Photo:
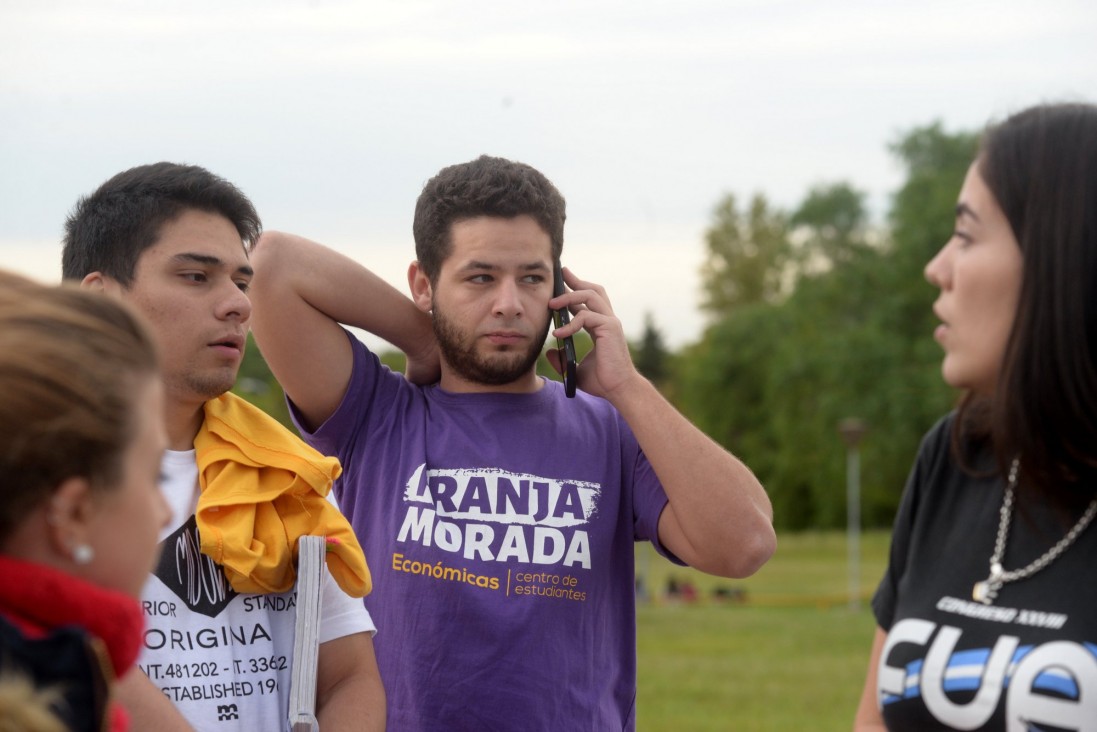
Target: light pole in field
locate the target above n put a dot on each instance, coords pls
(852, 431)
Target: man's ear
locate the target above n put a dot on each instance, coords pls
(101, 283)
(421, 292)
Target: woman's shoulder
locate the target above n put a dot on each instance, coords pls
(939, 436)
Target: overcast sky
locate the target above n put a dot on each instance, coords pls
(331, 115)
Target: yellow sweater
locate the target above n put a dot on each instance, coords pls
(262, 489)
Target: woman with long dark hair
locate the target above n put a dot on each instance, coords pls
(987, 614)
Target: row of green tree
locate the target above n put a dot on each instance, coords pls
(816, 316)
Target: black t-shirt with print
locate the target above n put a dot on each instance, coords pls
(1027, 662)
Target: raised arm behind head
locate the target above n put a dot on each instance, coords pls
(303, 293)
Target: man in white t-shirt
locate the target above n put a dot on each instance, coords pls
(173, 241)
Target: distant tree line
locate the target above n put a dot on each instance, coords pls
(815, 317)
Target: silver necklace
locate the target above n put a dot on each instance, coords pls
(987, 590)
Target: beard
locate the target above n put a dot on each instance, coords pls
(197, 377)
(493, 369)
(210, 385)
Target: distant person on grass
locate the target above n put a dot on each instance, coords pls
(501, 514)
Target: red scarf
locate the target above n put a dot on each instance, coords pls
(38, 599)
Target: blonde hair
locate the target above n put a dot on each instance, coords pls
(70, 362)
(25, 708)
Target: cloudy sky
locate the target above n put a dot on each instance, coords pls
(331, 115)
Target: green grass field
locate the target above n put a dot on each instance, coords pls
(789, 654)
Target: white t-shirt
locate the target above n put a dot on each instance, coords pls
(222, 658)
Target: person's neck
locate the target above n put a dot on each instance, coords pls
(453, 382)
(184, 419)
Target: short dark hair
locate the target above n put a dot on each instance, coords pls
(1041, 166)
(109, 230)
(486, 186)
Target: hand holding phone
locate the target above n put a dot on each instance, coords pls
(565, 346)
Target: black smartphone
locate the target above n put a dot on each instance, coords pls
(566, 346)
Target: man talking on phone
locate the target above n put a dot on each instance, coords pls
(500, 514)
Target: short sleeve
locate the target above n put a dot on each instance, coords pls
(885, 598)
(341, 614)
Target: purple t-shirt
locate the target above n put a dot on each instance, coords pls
(499, 530)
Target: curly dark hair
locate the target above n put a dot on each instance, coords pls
(487, 186)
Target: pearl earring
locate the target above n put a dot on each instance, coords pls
(83, 554)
